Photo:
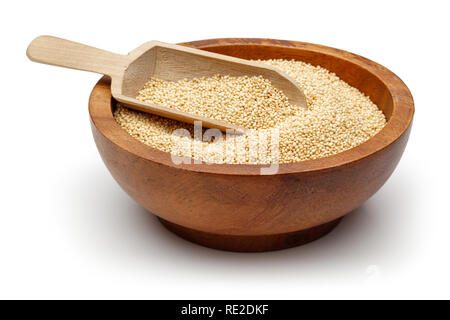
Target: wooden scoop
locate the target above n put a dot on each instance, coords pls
(165, 61)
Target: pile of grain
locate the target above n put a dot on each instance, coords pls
(339, 117)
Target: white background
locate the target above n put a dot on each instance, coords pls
(68, 231)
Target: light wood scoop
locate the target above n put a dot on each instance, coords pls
(165, 61)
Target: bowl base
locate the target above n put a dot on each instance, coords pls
(251, 243)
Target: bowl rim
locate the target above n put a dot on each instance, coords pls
(101, 105)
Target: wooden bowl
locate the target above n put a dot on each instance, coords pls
(233, 207)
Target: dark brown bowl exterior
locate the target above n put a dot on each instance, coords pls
(233, 207)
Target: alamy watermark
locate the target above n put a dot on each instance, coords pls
(261, 146)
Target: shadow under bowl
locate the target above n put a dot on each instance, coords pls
(234, 207)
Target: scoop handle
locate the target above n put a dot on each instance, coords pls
(64, 53)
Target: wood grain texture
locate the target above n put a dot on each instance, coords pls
(229, 201)
(252, 243)
(68, 54)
